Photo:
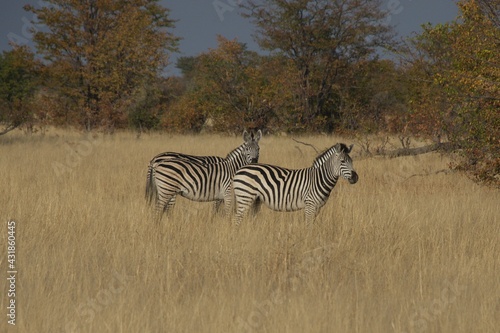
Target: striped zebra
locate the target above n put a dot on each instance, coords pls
(150, 190)
(290, 190)
(200, 181)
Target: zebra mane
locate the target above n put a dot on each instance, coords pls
(235, 152)
(327, 153)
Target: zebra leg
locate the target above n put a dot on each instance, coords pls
(170, 204)
(228, 200)
(164, 205)
(256, 206)
(310, 211)
(217, 205)
(238, 217)
(242, 205)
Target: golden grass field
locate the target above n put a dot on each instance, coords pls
(405, 249)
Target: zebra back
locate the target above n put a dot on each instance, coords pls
(171, 155)
(211, 176)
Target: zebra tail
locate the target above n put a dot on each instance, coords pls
(151, 194)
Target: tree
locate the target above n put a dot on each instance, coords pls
(186, 65)
(322, 38)
(99, 51)
(19, 74)
(373, 98)
(236, 88)
(220, 88)
(461, 58)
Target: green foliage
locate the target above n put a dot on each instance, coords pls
(144, 113)
(19, 77)
(186, 65)
(372, 98)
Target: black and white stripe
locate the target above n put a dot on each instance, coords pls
(289, 190)
(201, 181)
(151, 190)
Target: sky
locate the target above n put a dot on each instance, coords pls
(200, 21)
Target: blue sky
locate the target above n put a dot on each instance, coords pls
(200, 21)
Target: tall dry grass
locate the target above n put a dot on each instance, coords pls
(405, 249)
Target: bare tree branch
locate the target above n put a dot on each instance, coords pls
(9, 128)
(445, 146)
(307, 144)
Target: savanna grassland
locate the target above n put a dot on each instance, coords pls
(407, 249)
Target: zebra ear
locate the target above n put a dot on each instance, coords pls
(350, 148)
(246, 136)
(258, 136)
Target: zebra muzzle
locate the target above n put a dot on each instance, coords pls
(354, 178)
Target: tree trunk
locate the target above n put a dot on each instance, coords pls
(446, 146)
(9, 128)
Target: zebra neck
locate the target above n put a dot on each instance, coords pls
(235, 153)
(324, 157)
(324, 177)
(235, 158)
(331, 182)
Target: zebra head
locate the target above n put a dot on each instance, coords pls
(343, 163)
(251, 146)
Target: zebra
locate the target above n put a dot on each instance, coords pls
(201, 181)
(290, 190)
(162, 157)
